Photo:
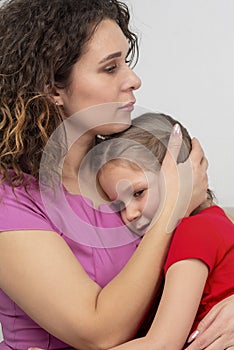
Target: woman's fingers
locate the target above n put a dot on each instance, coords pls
(169, 179)
(177, 180)
(173, 148)
(183, 187)
(216, 330)
(197, 153)
(200, 344)
(204, 344)
(199, 172)
(204, 163)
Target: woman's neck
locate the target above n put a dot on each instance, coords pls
(73, 161)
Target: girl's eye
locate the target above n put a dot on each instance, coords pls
(110, 69)
(138, 193)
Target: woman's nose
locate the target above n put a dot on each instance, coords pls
(132, 81)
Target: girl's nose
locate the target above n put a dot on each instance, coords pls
(132, 213)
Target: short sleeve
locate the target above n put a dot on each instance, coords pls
(20, 210)
(194, 238)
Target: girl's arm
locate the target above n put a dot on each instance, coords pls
(182, 293)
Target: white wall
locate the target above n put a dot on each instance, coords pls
(187, 68)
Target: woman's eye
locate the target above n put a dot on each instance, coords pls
(110, 69)
(138, 193)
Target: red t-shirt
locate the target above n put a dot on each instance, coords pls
(209, 237)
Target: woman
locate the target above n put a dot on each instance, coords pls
(58, 58)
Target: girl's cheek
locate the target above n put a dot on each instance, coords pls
(123, 218)
(151, 207)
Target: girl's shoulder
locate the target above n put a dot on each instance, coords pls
(207, 216)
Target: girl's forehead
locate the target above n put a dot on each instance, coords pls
(122, 163)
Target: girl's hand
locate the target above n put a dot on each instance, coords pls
(216, 330)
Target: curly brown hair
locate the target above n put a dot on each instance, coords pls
(40, 41)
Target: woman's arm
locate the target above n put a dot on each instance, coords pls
(182, 293)
(216, 330)
(39, 272)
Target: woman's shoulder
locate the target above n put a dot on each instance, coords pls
(21, 207)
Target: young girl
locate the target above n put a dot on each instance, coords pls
(199, 266)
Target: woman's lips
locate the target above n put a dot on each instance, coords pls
(128, 107)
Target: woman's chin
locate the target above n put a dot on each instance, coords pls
(113, 129)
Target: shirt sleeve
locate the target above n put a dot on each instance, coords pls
(194, 238)
(20, 210)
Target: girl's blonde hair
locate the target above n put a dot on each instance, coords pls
(143, 144)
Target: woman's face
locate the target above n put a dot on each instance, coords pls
(101, 76)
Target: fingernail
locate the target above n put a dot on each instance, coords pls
(176, 129)
(193, 336)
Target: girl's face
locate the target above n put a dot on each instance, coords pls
(134, 192)
(101, 76)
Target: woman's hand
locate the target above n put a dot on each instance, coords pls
(183, 186)
(216, 330)
(199, 172)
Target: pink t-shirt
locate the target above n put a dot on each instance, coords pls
(97, 238)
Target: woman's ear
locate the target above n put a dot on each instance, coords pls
(55, 95)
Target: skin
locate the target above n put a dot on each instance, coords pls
(184, 284)
(132, 190)
(184, 281)
(102, 74)
(100, 77)
(80, 312)
(215, 331)
(111, 88)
